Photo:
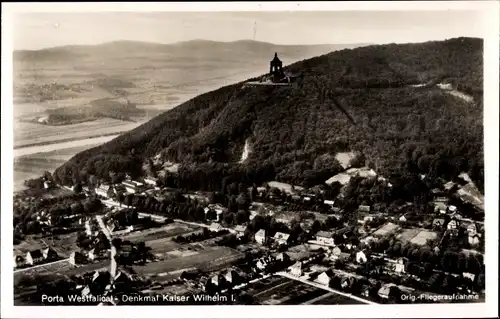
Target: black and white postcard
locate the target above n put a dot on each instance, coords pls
(194, 159)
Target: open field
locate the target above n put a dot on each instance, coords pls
(209, 259)
(422, 237)
(277, 290)
(386, 229)
(153, 234)
(407, 234)
(61, 269)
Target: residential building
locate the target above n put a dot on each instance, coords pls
(440, 207)
(329, 202)
(283, 257)
(399, 266)
(34, 257)
(96, 253)
(88, 229)
(217, 280)
(364, 208)
(346, 282)
(77, 258)
(385, 290)
(474, 240)
(452, 224)
(219, 210)
(438, 223)
(336, 251)
(216, 227)
(368, 240)
(472, 229)
(260, 236)
(341, 256)
(102, 190)
(151, 181)
(133, 186)
(469, 275)
(325, 238)
(19, 261)
(296, 269)
(325, 277)
(361, 257)
(449, 186)
(232, 277)
(281, 238)
(264, 262)
(49, 254)
(240, 230)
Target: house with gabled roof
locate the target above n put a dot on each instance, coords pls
(364, 208)
(296, 269)
(77, 258)
(385, 290)
(325, 277)
(232, 277)
(49, 254)
(325, 238)
(361, 257)
(474, 239)
(283, 257)
(260, 236)
(453, 224)
(281, 238)
(34, 257)
(438, 223)
(19, 261)
(472, 229)
(102, 190)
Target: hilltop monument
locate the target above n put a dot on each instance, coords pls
(276, 68)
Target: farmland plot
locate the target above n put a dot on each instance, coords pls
(423, 236)
(210, 259)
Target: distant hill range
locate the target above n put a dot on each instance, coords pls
(232, 51)
(160, 74)
(379, 101)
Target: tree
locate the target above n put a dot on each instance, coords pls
(243, 201)
(241, 217)
(395, 294)
(315, 227)
(211, 214)
(228, 217)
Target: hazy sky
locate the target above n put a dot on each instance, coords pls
(40, 30)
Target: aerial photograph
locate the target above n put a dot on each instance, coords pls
(248, 158)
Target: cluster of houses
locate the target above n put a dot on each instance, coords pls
(128, 186)
(279, 238)
(36, 257)
(225, 280)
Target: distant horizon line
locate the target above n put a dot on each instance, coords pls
(186, 41)
(234, 41)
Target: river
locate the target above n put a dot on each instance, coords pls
(30, 150)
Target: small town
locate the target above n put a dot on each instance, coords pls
(272, 244)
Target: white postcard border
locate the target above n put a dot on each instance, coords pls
(491, 112)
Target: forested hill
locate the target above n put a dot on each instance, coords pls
(294, 132)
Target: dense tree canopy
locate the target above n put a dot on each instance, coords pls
(359, 100)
